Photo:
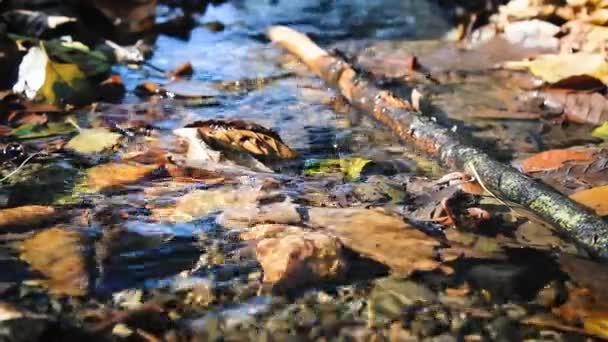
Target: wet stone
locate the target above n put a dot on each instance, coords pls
(300, 259)
(391, 297)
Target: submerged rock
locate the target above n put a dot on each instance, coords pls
(391, 296)
(301, 258)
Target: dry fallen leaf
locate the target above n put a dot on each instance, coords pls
(58, 254)
(379, 236)
(243, 136)
(579, 107)
(595, 198)
(553, 159)
(553, 68)
(111, 175)
(26, 216)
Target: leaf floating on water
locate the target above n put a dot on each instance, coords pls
(553, 159)
(55, 83)
(107, 176)
(58, 254)
(27, 216)
(93, 140)
(351, 168)
(243, 136)
(596, 199)
(379, 236)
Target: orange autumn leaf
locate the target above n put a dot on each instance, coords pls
(26, 216)
(553, 159)
(595, 198)
(111, 175)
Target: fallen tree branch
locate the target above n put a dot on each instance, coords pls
(574, 220)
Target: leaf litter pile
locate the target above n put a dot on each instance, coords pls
(236, 197)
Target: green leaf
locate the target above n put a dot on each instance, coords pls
(92, 63)
(351, 168)
(35, 130)
(601, 131)
(93, 140)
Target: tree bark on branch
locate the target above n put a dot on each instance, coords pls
(574, 220)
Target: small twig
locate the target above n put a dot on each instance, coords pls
(19, 167)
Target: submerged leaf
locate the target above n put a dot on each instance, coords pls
(27, 216)
(93, 140)
(351, 168)
(38, 130)
(381, 237)
(58, 254)
(111, 175)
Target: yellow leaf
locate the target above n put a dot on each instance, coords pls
(553, 68)
(93, 140)
(596, 199)
(63, 83)
(598, 326)
(601, 131)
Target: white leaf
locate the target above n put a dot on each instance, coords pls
(32, 73)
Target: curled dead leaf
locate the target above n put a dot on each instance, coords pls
(244, 136)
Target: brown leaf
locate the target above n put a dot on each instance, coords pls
(584, 83)
(595, 198)
(195, 175)
(580, 107)
(27, 216)
(111, 175)
(553, 159)
(244, 136)
(575, 176)
(58, 254)
(379, 236)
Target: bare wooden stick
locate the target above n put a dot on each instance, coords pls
(574, 220)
